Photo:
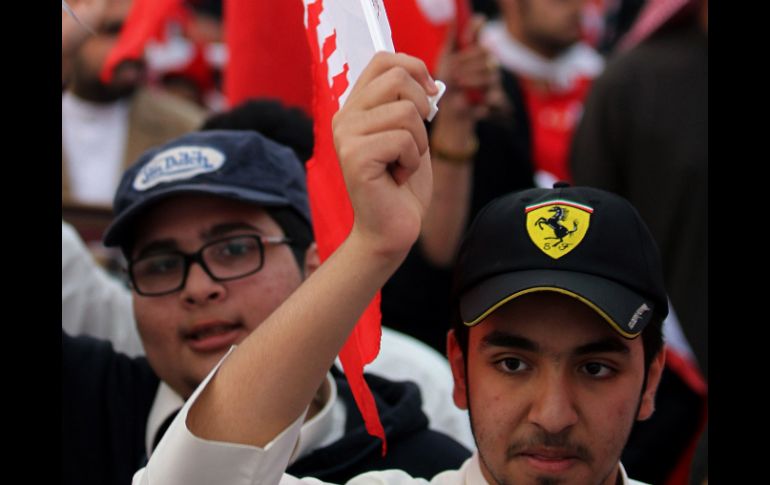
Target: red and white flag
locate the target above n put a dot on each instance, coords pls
(343, 37)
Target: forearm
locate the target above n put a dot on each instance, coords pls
(453, 148)
(270, 379)
(448, 212)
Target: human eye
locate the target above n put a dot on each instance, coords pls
(159, 265)
(234, 248)
(512, 365)
(597, 370)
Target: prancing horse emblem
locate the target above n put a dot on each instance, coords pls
(558, 226)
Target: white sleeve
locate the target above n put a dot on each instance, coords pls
(93, 302)
(184, 459)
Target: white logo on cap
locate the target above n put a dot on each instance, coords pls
(178, 163)
(637, 315)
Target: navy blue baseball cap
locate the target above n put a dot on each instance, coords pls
(582, 242)
(239, 165)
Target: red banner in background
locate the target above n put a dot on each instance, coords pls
(146, 20)
(268, 52)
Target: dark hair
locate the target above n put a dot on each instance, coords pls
(285, 125)
(295, 228)
(652, 336)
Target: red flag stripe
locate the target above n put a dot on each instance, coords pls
(146, 20)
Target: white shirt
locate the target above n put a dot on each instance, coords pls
(94, 142)
(93, 302)
(184, 459)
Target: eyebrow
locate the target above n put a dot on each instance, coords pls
(158, 246)
(162, 245)
(498, 338)
(609, 344)
(227, 228)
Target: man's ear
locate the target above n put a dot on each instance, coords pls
(647, 406)
(312, 260)
(457, 363)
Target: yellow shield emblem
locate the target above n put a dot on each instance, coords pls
(556, 227)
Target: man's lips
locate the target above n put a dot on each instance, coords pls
(549, 460)
(213, 335)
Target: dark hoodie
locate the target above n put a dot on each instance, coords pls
(412, 447)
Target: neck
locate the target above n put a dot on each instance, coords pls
(515, 30)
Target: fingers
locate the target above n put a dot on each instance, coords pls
(389, 77)
(393, 151)
(474, 67)
(472, 29)
(382, 120)
(401, 114)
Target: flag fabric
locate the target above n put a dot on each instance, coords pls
(420, 27)
(260, 34)
(146, 20)
(340, 44)
(268, 54)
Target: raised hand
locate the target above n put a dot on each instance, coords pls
(382, 146)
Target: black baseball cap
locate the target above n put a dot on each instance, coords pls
(239, 165)
(583, 242)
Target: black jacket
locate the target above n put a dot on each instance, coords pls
(106, 399)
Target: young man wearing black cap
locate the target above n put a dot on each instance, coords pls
(553, 287)
(216, 228)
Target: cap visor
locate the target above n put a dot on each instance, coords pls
(615, 303)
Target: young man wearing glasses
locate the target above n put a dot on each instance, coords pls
(216, 229)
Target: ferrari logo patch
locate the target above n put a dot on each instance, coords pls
(556, 227)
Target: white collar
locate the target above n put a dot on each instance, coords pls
(166, 402)
(324, 428)
(321, 430)
(580, 60)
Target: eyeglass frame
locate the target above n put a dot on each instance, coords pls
(197, 257)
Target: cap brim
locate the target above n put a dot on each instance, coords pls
(625, 310)
(119, 229)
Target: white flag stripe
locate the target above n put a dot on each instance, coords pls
(437, 11)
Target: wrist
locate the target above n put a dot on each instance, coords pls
(453, 153)
(381, 253)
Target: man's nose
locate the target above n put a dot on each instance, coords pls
(553, 407)
(200, 288)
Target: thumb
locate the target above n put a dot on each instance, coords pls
(470, 34)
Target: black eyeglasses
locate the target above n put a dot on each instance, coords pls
(223, 260)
